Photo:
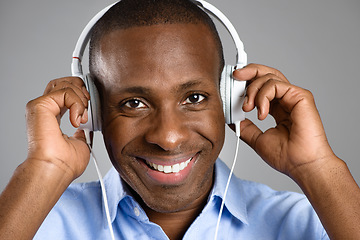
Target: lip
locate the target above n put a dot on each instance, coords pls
(168, 161)
(169, 178)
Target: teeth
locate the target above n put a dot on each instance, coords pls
(182, 166)
(176, 168)
(169, 169)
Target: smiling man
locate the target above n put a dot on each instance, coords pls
(163, 123)
(162, 108)
(157, 66)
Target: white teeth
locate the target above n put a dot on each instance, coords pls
(182, 166)
(176, 168)
(169, 169)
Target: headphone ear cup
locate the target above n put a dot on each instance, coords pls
(232, 95)
(94, 120)
(225, 91)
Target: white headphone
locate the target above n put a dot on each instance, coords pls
(232, 92)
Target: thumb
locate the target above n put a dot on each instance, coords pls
(250, 133)
(80, 135)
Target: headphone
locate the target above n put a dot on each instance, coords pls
(232, 92)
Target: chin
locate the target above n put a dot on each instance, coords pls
(170, 199)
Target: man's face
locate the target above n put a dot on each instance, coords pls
(163, 122)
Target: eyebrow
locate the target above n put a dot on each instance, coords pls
(188, 85)
(136, 90)
(147, 91)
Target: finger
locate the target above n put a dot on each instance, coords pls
(288, 97)
(270, 90)
(250, 133)
(254, 71)
(80, 134)
(75, 81)
(41, 114)
(81, 152)
(254, 88)
(68, 99)
(69, 85)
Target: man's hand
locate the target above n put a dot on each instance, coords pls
(54, 159)
(46, 141)
(298, 140)
(297, 146)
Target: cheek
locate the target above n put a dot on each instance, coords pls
(212, 124)
(214, 129)
(116, 136)
(119, 137)
(209, 128)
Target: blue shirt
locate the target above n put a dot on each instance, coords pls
(252, 211)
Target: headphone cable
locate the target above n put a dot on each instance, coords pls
(102, 186)
(237, 130)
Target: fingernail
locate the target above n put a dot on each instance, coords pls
(85, 114)
(259, 113)
(78, 120)
(84, 90)
(234, 74)
(246, 101)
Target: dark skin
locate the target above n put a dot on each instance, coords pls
(159, 124)
(174, 224)
(161, 104)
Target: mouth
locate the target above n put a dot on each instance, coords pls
(171, 175)
(169, 168)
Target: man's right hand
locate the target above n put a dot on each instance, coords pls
(54, 159)
(46, 142)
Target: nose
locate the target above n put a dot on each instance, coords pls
(168, 129)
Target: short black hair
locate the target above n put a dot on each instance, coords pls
(132, 13)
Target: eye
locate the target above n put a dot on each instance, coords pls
(134, 104)
(194, 99)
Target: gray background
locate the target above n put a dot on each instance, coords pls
(314, 43)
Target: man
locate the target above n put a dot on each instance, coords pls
(157, 67)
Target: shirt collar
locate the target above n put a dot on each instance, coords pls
(116, 190)
(235, 201)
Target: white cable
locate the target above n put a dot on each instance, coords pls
(237, 127)
(106, 205)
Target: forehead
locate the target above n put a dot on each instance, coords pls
(158, 51)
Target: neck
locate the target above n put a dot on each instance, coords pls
(175, 224)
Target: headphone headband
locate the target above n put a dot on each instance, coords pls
(76, 69)
(241, 57)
